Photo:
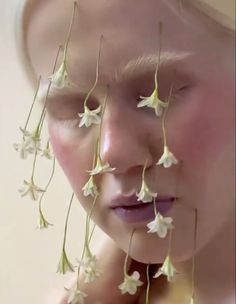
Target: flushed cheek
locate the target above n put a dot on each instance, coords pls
(74, 157)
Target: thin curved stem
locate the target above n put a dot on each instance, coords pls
(97, 73)
(32, 105)
(67, 218)
(194, 250)
(48, 184)
(70, 30)
(148, 285)
(128, 252)
(159, 56)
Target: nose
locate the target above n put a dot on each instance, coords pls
(125, 140)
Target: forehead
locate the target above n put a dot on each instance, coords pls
(130, 29)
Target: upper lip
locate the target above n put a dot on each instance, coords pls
(132, 200)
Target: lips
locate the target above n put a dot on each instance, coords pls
(132, 201)
(130, 210)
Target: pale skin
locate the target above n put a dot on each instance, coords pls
(200, 128)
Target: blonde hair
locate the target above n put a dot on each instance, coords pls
(222, 13)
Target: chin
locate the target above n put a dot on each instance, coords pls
(150, 249)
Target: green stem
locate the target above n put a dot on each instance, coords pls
(49, 181)
(97, 73)
(34, 165)
(69, 31)
(66, 223)
(144, 169)
(170, 243)
(148, 285)
(155, 207)
(88, 219)
(194, 250)
(83, 252)
(164, 116)
(159, 56)
(32, 105)
(128, 252)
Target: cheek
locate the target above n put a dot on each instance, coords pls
(75, 157)
(204, 129)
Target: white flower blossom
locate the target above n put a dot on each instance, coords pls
(24, 148)
(167, 158)
(91, 269)
(90, 188)
(192, 301)
(160, 225)
(167, 269)
(60, 78)
(64, 265)
(31, 189)
(76, 297)
(131, 283)
(89, 117)
(153, 101)
(100, 167)
(33, 140)
(145, 195)
(47, 153)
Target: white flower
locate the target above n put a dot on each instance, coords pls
(167, 269)
(100, 167)
(24, 148)
(154, 102)
(60, 78)
(167, 158)
(33, 140)
(76, 297)
(42, 222)
(90, 188)
(145, 195)
(64, 264)
(47, 153)
(160, 225)
(31, 189)
(131, 283)
(89, 117)
(91, 269)
(192, 301)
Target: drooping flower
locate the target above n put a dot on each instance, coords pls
(76, 297)
(167, 269)
(167, 158)
(60, 78)
(43, 223)
(33, 139)
(192, 301)
(64, 265)
(145, 195)
(90, 117)
(24, 148)
(153, 101)
(131, 283)
(100, 167)
(91, 269)
(47, 153)
(160, 225)
(90, 188)
(30, 189)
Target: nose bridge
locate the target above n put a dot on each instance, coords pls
(124, 139)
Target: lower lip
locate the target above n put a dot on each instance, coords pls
(142, 212)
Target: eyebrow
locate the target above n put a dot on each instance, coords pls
(138, 66)
(148, 63)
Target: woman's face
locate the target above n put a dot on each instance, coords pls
(199, 123)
